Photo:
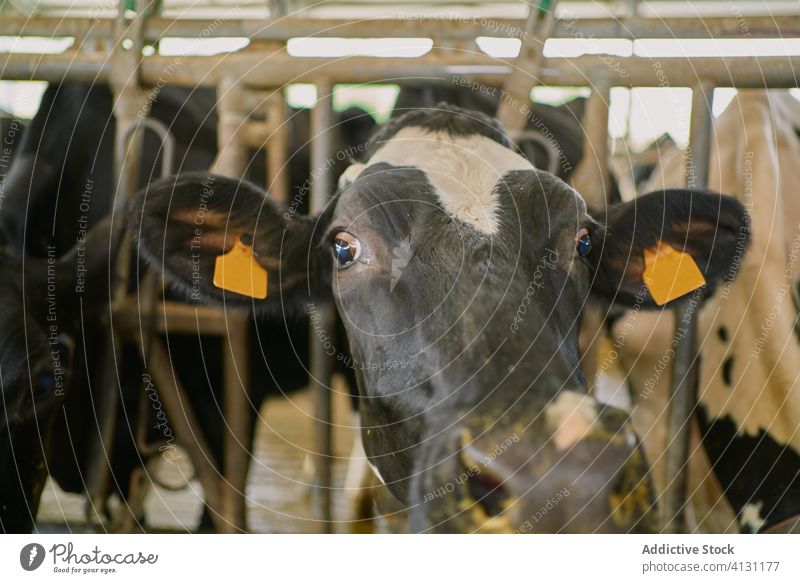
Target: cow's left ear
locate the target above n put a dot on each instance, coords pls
(186, 224)
(711, 228)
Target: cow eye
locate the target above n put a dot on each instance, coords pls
(583, 242)
(346, 249)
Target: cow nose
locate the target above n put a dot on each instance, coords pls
(599, 485)
(491, 481)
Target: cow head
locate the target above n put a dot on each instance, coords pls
(460, 273)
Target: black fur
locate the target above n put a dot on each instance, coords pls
(752, 469)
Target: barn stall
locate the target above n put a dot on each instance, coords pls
(262, 57)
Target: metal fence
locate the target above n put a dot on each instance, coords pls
(109, 51)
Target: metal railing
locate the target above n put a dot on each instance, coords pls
(269, 67)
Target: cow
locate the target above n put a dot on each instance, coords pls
(56, 197)
(459, 271)
(553, 140)
(43, 316)
(746, 475)
(58, 190)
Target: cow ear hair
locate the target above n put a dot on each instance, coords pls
(711, 228)
(184, 223)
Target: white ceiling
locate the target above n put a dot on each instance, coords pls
(390, 8)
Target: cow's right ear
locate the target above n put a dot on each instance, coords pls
(184, 223)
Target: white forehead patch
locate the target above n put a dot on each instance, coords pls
(464, 170)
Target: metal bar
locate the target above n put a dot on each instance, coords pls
(148, 290)
(175, 317)
(632, 72)
(700, 137)
(321, 364)
(238, 422)
(127, 154)
(683, 390)
(591, 177)
(255, 72)
(278, 149)
(231, 120)
(512, 110)
(160, 129)
(282, 29)
(147, 322)
(232, 161)
(176, 404)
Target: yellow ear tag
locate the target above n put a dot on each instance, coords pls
(238, 271)
(670, 274)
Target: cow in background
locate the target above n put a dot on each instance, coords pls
(746, 475)
(57, 192)
(43, 319)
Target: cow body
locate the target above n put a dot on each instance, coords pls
(57, 191)
(55, 197)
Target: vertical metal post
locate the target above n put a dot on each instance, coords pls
(128, 99)
(231, 115)
(232, 161)
(321, 364)
(516, 94)
(700, 137)
(238, 420)
(277, 148)
(591, 179)
(683, 392)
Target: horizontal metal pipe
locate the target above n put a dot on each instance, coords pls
(255, 71)
(86, 68)
(467, 28)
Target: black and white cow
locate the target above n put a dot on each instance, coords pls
(460, 272)
(748, 414)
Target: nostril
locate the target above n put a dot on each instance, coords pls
(485, 480)
(488, 492)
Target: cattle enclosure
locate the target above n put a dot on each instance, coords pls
(251, 112)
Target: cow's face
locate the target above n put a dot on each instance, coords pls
(460, 273)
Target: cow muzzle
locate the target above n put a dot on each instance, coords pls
(576, 468)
